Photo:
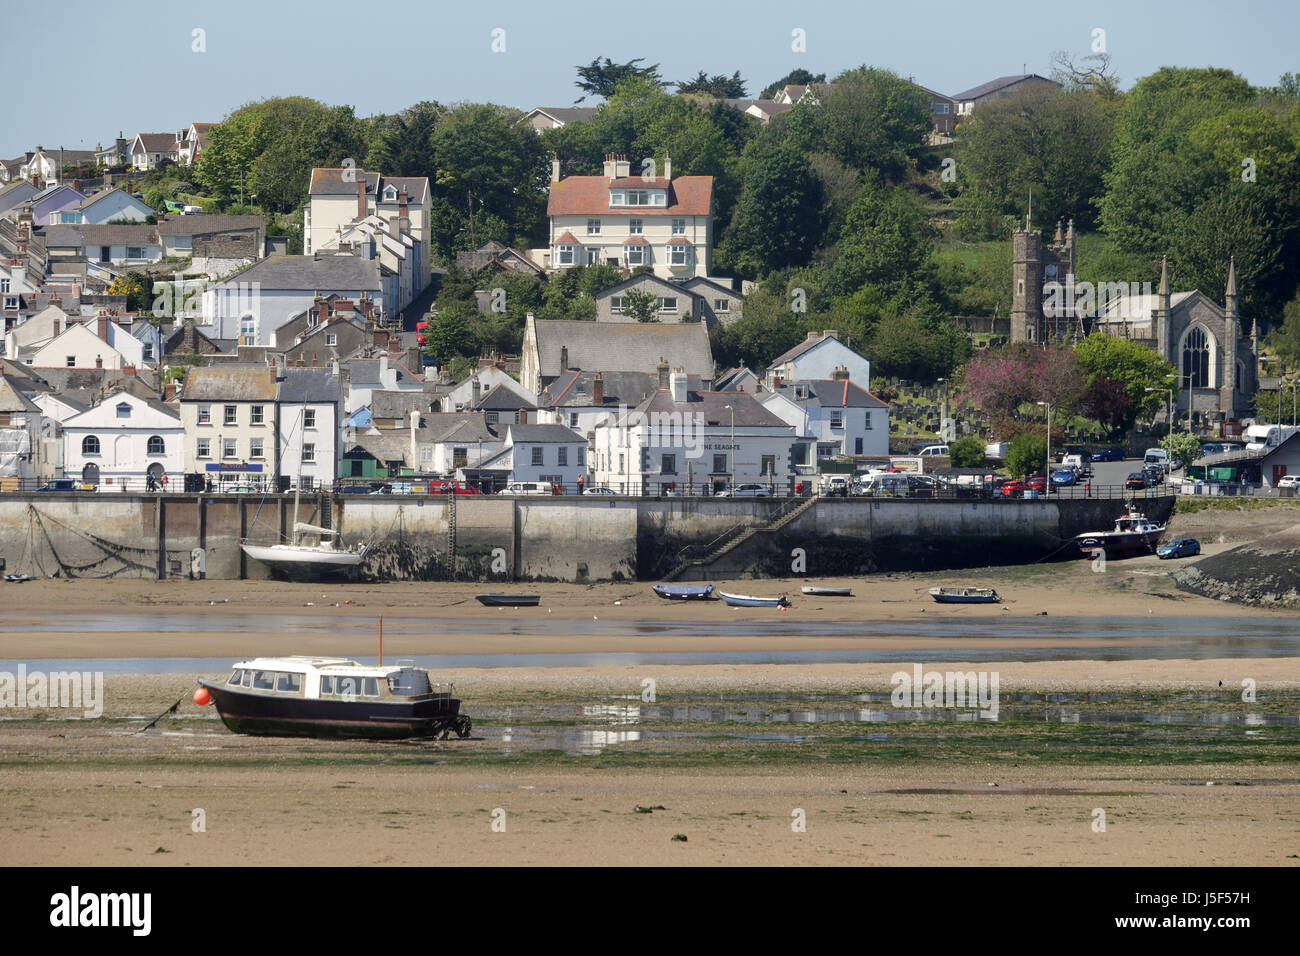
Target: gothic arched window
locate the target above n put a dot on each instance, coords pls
(1196, 359)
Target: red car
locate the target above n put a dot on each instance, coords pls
(1015, 488)
(446, 486)
(1038, 484)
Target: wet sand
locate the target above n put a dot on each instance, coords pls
(96, 793)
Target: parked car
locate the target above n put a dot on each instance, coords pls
(836, 486)
(1182, 548)
(1082, 464)
(745, 491)
(65, 484)
(1015, 488)
(1157, 457)
(1114, 453)
(1138, 479)
(1060, 453)
(1067, 475)
(934, 451)
(1288, 481)
(1038, 483)
(599, 490)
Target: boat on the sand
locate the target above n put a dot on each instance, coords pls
(508, 600)
(965, 595)
(335, 697)
(745, 600)
(1134, 533)
(817, 591)
(684, 592)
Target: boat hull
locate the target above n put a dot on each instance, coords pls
(297, 563)
(827, 592)
(942, 597)
(269, 715)
(684, 592)
(1118, 544)
(744, 600)
(508, 600)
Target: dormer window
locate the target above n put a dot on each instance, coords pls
(638, 197)
(390, 194)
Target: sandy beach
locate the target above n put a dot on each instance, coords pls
(755, 763)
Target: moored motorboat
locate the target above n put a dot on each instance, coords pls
(335, 697)
(508, 600)
(745, 600)
(826, 592)
(684, 592)
(965, 595)
(1134, 533)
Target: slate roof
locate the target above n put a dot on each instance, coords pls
(992, 86)
(383, 447)
(831, 394)
(157, 142)
(537, 434)
(712, 405)
(104, 194)
(104, 235)
(584, 195)
(500, 398)
(416, 187)
(232, 383)
(365, 372)
(330, 182)
(623, 346)
(12, 400)
(577, 388)
(566, 114)
(327, 273)
(201, 224)
(397, 404)
(804, 346)
(455, 426)
(310, 385)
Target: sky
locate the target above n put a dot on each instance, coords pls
(140, 66)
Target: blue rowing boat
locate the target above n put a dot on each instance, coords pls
(684, 592)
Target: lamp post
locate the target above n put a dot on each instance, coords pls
(1047, 463)
(731, 452)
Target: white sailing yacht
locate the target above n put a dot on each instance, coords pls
(307, 561)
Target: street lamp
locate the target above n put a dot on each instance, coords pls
(731, 452)
(1169, 408)
(1047, 464)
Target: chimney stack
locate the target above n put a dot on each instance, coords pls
(555, 167)
(662, 369)
(361, 193)
(668, 166)
(598, 390)
(475, 391)
(102, 330)
(99, 361)
(678, 382)
(128, 370)
(840, 374)
(564, 358)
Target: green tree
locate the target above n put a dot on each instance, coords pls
(778, 218)
(1132, 366)
(1285, 339)
(601, 79)
(1026, 454)
(402, 145)
(967, 452)
(1183, 447)
(641, 305)
(449, 334)
(796, 77)
(721, 86)
(886, 242)
(1053, 143)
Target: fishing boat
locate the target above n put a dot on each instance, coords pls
(1134, 534)
(308, 562)
(744, 600)
(826, 592)
(508, 600)
(684, 592)
(334, 697)
(965, 595)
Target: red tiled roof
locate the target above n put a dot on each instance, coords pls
(636, 181)
(566, 238)
(635, 240)
(588, 195)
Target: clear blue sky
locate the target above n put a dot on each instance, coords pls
(130, 66)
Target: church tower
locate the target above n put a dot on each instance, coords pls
(1038, 315)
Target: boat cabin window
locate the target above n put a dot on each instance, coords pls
(408, 682)
(289, 683)
(326, 686)
(264, 680)
(247, 679)
(370, 687)
(236, 677)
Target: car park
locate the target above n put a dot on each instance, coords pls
(1182, 548)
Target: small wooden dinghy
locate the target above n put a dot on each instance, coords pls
(508, 600)
(745, 600)
(826, 592)
(684, 592)
(965, 595)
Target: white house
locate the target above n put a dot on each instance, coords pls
(118, 443)
(630, 218)
(698, 442)
(149, 150)
(844, 418)
(378, 374)
(448, 442)
(309, 407)
(98, 344)
(469, 392)
(551, 454)
(254, 303)
(38, 330)
(816, 358)
(229, 414)
(105, 206)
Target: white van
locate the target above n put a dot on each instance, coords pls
(934, 451)
(1157, 458)
(529, 488)
(191, 210)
